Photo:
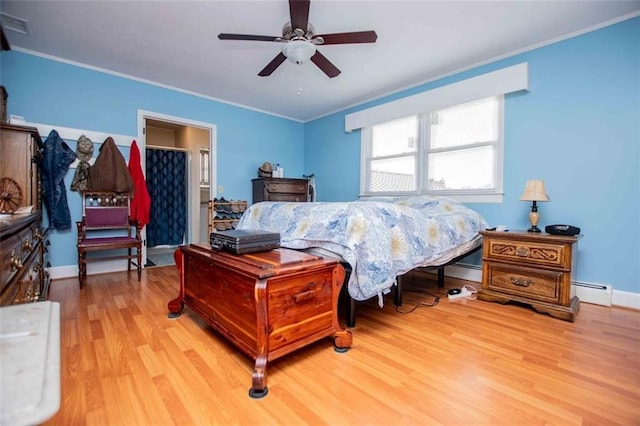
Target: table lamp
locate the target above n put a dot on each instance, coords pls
(534, 191)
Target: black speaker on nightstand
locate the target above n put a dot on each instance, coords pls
(562, 230)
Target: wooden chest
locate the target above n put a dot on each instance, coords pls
(268, 304)
(532, 268)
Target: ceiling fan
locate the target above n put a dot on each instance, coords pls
(300, 41)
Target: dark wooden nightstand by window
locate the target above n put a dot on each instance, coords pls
(531, 268)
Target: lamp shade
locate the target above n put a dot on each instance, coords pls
(299, 51)
(534, 191)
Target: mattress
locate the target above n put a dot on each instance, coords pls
(380, 239)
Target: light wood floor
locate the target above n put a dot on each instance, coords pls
(458, 363)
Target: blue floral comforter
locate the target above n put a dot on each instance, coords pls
(380, 238)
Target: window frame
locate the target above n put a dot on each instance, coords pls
(493, 195)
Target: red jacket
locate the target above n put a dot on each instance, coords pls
(141, 202)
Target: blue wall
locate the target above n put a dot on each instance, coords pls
(55, 93)
(578, 128)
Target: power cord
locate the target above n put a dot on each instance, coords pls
(436, 300)
(466, 292)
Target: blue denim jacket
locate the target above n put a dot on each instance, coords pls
(57, 157)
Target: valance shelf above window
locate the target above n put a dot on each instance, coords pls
(500, 82)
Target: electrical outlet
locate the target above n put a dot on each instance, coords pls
(464, 293)
(220, 189)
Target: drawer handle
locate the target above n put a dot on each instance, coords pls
(16, 262)
(522, 282)
(305, 295)
(27, 245)
(522, 251)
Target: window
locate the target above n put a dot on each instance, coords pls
(455, 151)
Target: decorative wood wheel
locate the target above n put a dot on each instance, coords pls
(10, 195)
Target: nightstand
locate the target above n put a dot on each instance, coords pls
(531, 268)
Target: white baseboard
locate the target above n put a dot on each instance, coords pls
(463, 271)
(626, 299)
(597, 294)
(60, 272)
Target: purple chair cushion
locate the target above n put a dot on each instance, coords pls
(107, 217)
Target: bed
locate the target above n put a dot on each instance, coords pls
(380, 238)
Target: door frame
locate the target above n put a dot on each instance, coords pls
(193, 202)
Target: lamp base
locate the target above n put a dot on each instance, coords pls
(534, 219)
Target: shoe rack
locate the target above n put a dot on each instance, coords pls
(225, 214)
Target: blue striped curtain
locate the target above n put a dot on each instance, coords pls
(167, 186)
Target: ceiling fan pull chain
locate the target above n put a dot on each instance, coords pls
(299, 80)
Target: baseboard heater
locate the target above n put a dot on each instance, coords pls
(599, 294)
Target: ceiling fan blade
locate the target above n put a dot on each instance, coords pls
(325, 65)
(299, 12)
(347, 38)
(224, 36)
(271, 66)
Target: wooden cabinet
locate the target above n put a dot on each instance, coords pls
(23, 241)
(23, 248)
(268, 304)
(531, 268)
(280, 189)
(19, 150)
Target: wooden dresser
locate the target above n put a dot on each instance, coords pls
(23, 241)
(280, 189)
(267, 304)
(531, 268)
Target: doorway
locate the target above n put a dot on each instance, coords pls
(175, 141)
(167, 177)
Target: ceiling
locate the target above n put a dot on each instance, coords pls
(174, 43)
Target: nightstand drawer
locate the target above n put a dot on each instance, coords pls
(532, 283)
(527, 251)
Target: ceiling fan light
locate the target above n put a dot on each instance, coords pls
(299, 51)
